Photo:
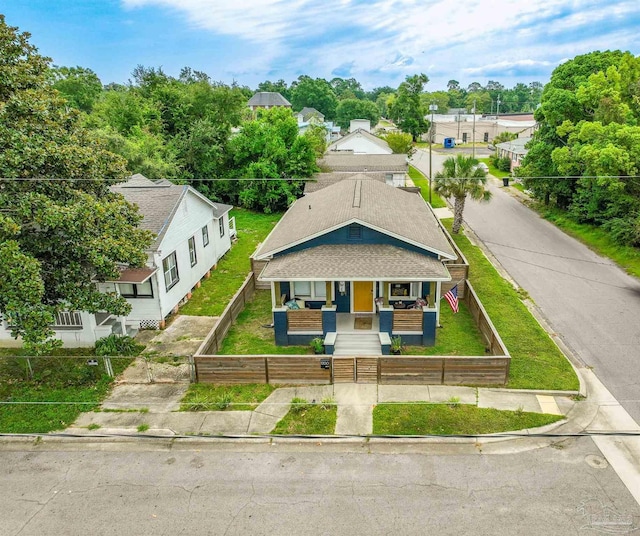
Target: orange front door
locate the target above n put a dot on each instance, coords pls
(363, 296)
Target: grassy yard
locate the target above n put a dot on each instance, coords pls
(249, 336)
(62, 387)
(421, 182)
(308, 419)
(452, 419)
(536, 362)
(595, 238)
(493, 170)
(214, 294)
(459, 335)
(208, 397)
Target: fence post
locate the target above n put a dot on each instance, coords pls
(192, 369)
(108, 367)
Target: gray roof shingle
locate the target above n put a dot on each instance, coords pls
(268, 98)
(354, 261)
(322, 180)
(336, 161)
(374, 204)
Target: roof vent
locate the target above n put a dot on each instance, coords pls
(357, 194)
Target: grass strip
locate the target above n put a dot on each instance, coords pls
(423, 183)
(452, 419)
(216, 292)
(308, 419)
(218, 397)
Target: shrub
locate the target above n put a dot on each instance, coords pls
(115, 345)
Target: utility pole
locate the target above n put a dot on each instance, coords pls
(432, 108)
(473, 143)
(498, 106)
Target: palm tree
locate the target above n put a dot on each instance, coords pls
(461, 177)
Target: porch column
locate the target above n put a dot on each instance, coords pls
(276, 294)
(328, 285)
(385, 294)
(432, 293)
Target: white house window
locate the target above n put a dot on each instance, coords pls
(193, 257)
(221, 224)
(205, 236)
(403, 291)
(310, 290)
(170, 268)
(137, 290)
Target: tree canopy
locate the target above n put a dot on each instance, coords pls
(61, 228)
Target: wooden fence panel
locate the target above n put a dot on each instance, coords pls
(407, 320)
(367, 370)
(231, 369)
(343, 370)
(304, 320)
(297, 369)
(476, 371)
(411, 370)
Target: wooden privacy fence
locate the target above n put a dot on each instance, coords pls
(491, 337)
(304, 320)
(303, 369)
(214, 339)
(407, 320)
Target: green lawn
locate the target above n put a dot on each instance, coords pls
(452, 419)
(420, 181)
(308, 419)
(61, 389)
(249, 336)
(209, 397)
(536, 362)
(493, 170)
(459, 335)
(216, 292)
(595, 238)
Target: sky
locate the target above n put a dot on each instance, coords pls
(377, 42)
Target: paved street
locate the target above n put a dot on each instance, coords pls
(591, 303)
(275, 489)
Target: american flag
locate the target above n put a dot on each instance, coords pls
(452, 298)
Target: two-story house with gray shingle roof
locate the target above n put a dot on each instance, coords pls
(356, 249)
(191, 233)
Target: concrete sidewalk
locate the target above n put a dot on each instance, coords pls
(153, 409)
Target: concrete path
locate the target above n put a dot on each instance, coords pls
(355, 406)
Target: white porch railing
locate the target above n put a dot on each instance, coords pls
(68, 319)
(233, 233)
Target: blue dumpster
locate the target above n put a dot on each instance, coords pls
(449, 143)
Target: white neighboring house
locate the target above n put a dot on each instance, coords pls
(360, 141)
(192, 234)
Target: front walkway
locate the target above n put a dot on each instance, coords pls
(143, 413)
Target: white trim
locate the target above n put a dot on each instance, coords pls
(386, 232)
(313, 297)
(410, 296)
(437, 302)
(351, 278)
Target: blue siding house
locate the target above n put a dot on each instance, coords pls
(359, 257)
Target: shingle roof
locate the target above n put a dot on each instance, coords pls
(379, 206)
(310, 112)
(158, 201)
(268, 98)
(515, 146)
(335, 146)
(354, 261)
(363, 162)
(322, 180)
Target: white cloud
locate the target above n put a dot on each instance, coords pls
(399, 37)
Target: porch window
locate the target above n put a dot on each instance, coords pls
(193, 257)
(205, 236)
(170, 268)
(221, 225)
(404, 291)
(310, 290)
(138, 290)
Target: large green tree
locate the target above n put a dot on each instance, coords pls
(267, 161)
(407, 109)
(461, 178)
(61, 228)
(349, 109)
(80, 86)
(314, 93)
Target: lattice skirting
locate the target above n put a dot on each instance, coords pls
(149, 324)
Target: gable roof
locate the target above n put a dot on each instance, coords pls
(515, 146)
(158, 202)
(337, 161)
(268, 98)
(379, 206)
(362, 133)
(308, 112)
(322, 180)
